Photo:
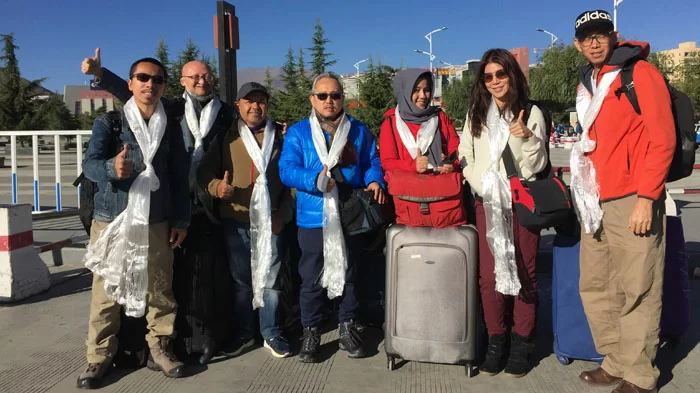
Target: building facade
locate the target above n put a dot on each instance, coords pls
(677, 56)
(83, 99)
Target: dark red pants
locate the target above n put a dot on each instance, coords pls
(525, 304)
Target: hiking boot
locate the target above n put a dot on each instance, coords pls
(628, 387)
(162, 358)
(278, 346)
(91, 378)
(350, 340)
(238, 347)
(494, 361)
(519, 359)
(311, 346)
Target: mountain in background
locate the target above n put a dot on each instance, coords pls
(258, 75)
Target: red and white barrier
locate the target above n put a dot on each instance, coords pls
(22, 272)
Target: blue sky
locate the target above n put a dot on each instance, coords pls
(55, 35)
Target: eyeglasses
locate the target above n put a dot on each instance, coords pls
(500, 75)
(601, 38)
(335, 96)
(141, 77)
(197, 78)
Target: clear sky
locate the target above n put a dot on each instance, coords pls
(55, 35)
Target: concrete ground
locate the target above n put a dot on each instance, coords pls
(42, 343)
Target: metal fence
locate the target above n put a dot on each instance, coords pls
(78, 134)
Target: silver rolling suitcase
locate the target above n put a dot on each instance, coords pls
(431, 295)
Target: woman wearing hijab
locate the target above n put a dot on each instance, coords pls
(500, 116)
(416, 136)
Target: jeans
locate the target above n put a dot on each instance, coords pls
(238, 246)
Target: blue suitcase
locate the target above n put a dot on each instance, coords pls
(572, 336)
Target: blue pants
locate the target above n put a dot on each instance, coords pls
(311, 294)
(237, 239)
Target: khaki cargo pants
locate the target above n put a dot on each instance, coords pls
(104, 320)
(621, 285)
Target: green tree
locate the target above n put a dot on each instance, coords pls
(456, 97)
(320, 59)
(304, 81)
(663, 63)
(293, 103)
(17, 104)
(85, 120)
(689, 83)
(273, 101)
(376, 96)
(553, 81)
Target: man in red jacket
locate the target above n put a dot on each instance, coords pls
(623, 245)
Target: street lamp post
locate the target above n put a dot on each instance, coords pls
(552, 37)
(616, 3)
(429, 37)
(357, 67)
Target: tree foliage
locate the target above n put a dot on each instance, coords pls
(689, 82)
(320, 59)
(293, 103)
(273, 102)
(553, 81)
(456, 97)
(376, 95)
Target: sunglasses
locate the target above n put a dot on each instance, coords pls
(500, 75)
(335, 96)
(141, 77)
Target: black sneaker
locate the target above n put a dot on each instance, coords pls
(519, 359)
(278, 346)
(238, 347)
(350, 340)
(494, 361)
(311, 345)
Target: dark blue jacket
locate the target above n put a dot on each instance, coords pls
(171, 164)
(300, 166)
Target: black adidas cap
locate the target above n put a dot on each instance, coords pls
(251, 87)
(594, 20)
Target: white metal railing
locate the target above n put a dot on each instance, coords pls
(35, 159)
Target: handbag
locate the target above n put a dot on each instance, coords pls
(359, 211)
(541, 203)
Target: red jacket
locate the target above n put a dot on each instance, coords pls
(394, 154)
(633, 152)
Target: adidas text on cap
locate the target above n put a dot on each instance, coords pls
(594, 20)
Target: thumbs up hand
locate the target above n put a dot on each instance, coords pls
(324, 178)
(421, 162)
(224, 190)
(93, 65)
(519, 128)
(124, 167)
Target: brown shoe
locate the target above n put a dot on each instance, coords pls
(91, 378)
(628, 387)
(599, 377)
(162, 358)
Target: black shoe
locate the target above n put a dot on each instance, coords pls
(494, 361)
(238, 347)
(350, 340)
(208, 351)
(311, 345)
(91, 378)
(519, 359)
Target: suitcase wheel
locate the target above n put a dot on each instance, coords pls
(564, 360)
(469, 370)
(390, 362)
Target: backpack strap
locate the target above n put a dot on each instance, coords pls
(627, 87)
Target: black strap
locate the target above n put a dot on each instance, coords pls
(627, 87)
(509, 162)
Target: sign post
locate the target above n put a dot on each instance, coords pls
(227, 42)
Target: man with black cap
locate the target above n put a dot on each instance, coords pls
(618, 174)
(241, 170)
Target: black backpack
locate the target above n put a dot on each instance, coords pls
(88, 188)
(683, 114)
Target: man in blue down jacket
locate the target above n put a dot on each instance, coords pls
(306, 164)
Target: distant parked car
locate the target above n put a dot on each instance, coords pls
(697, 133)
